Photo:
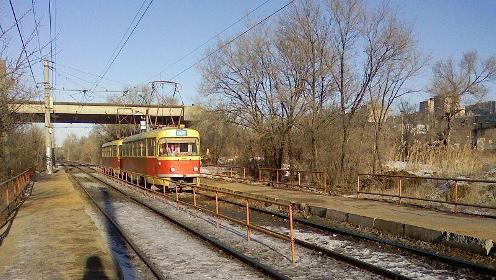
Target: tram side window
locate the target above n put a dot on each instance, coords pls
(142, 148)
(150, 147)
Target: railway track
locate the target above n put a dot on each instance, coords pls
(363, 251)
(361, 255)
(424, 255)
(311, 264)
(161, 244)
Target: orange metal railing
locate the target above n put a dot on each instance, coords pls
(295, 177)
(211, 192)
(11, 190)
(406, 183)
(227, 171)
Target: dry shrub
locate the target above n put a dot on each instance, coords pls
(449, 161)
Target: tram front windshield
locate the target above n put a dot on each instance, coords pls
(178, 147)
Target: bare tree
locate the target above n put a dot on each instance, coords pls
(452, 82)
(306, 31)
(14, 87)
(364, 44)
(391, 81)
(258, 84)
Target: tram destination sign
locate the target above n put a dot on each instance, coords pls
(181, 132)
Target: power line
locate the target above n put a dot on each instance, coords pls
(211, 38)
(55, 41)
(232, 40)
(22, 41)
(87, 90)
(36, 26)
(88, 73)
(124, 35)
(124, 44)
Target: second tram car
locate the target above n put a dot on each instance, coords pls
(160, 156)
(111, 156)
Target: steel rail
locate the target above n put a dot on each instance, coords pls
(148, 262)
(194, 187)
(244, 258)
(454, 261)
(338, 256)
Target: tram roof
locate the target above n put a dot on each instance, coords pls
(172, 132)
(113, 143)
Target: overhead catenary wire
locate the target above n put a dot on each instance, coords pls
(122, 46)
(23, 43)
(210, 39)
(232, 40)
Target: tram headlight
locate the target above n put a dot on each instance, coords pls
(173, 169)
(195, 168)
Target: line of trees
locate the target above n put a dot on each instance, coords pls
(326, 87)
(299, 88)
(21, 146)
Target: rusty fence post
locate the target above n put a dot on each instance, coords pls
(358, 186)
(299, 178)
(259, 174)
(325, 182)
(277, 176)
(7, 201)
(247, 220)
(194, 196)
(217, 209)
(291, 234)
(399, 188)
(456, 195)
(177, 198)
(244, 172)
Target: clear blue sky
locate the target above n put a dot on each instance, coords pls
(88, 32)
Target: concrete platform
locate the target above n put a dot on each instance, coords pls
(53, 237)
(472, 233)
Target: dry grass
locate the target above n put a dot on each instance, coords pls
(442, 162)
(451, 161)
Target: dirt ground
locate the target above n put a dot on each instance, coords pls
(52, 237)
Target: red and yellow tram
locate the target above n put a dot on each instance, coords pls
(159, 156)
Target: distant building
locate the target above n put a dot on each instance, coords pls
(427, 106)
(481, 109)
(440, 105)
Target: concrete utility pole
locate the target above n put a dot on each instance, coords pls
(48, 125)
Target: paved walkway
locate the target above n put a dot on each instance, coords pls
(53, 237)
(479, 227)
